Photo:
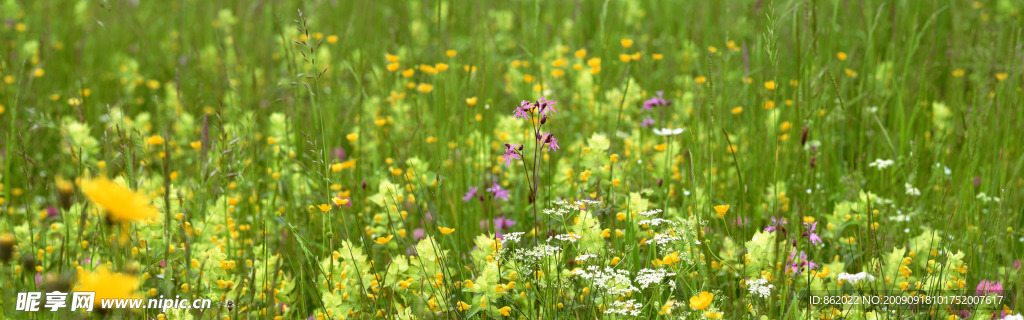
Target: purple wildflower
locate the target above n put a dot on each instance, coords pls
(811, 234)
(470, 194)
(499, 193)
(523, 110)
(52, 212)
(647, 122)
(986, 287)
(502, 223)
(549, 139)
(657, 101)
(776, 224)
(797, 263)
(546, 106)
(339, 153)
(510, 154)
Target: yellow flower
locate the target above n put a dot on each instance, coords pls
(332, 39)
(408, 72)
(712, 49)
(624, 57)
(441, 67)
(666, 308)
(851, 73)
(713, 314)
(958, 73)
(451, 53)
(339, 201)
(737, 110)
(155, 140)
(661, 147)
(324, 207)
(1001, 76)
(107, 285)
(384, 240)
(391, 57)
(824, 272)
(393, 66)
(769, 104)
(581, 53)
(120, 203)
(700, 79)
(657, 56)
(425, 88)
(701, 301)
(841, 55)
(471, 101)
(770, 85)
(463, 306)
(445, 231)
(505, 311)
(721, 209)
(626, 43)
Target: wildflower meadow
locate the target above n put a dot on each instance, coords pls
(520, 159)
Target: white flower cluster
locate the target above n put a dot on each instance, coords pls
(986, 198)
(656, 222)
(646, 277)
(854, 278)
(537, 253)
(760, 287)
(911, 191)
(514, 237)
(649, 213)
(627, 308)
(585, 257)
(664, 238)
(570, 237)
(557, 212)
(881, 164)
(564, 207)
(611, 280)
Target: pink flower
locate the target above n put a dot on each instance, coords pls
(986, 287)
(511, 154)
(523, 110)
(499, 193)
(469, 195)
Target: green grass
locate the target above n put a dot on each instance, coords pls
(252, 100)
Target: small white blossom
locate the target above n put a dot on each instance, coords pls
(881, 164)
(854, 278)
(656, 222)
(667, 131)
(646, 277)
(649, 213)
(628, 307)
(911, 191)
(570, 237)
(760, 287)
(514, 237)
(585, 257)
